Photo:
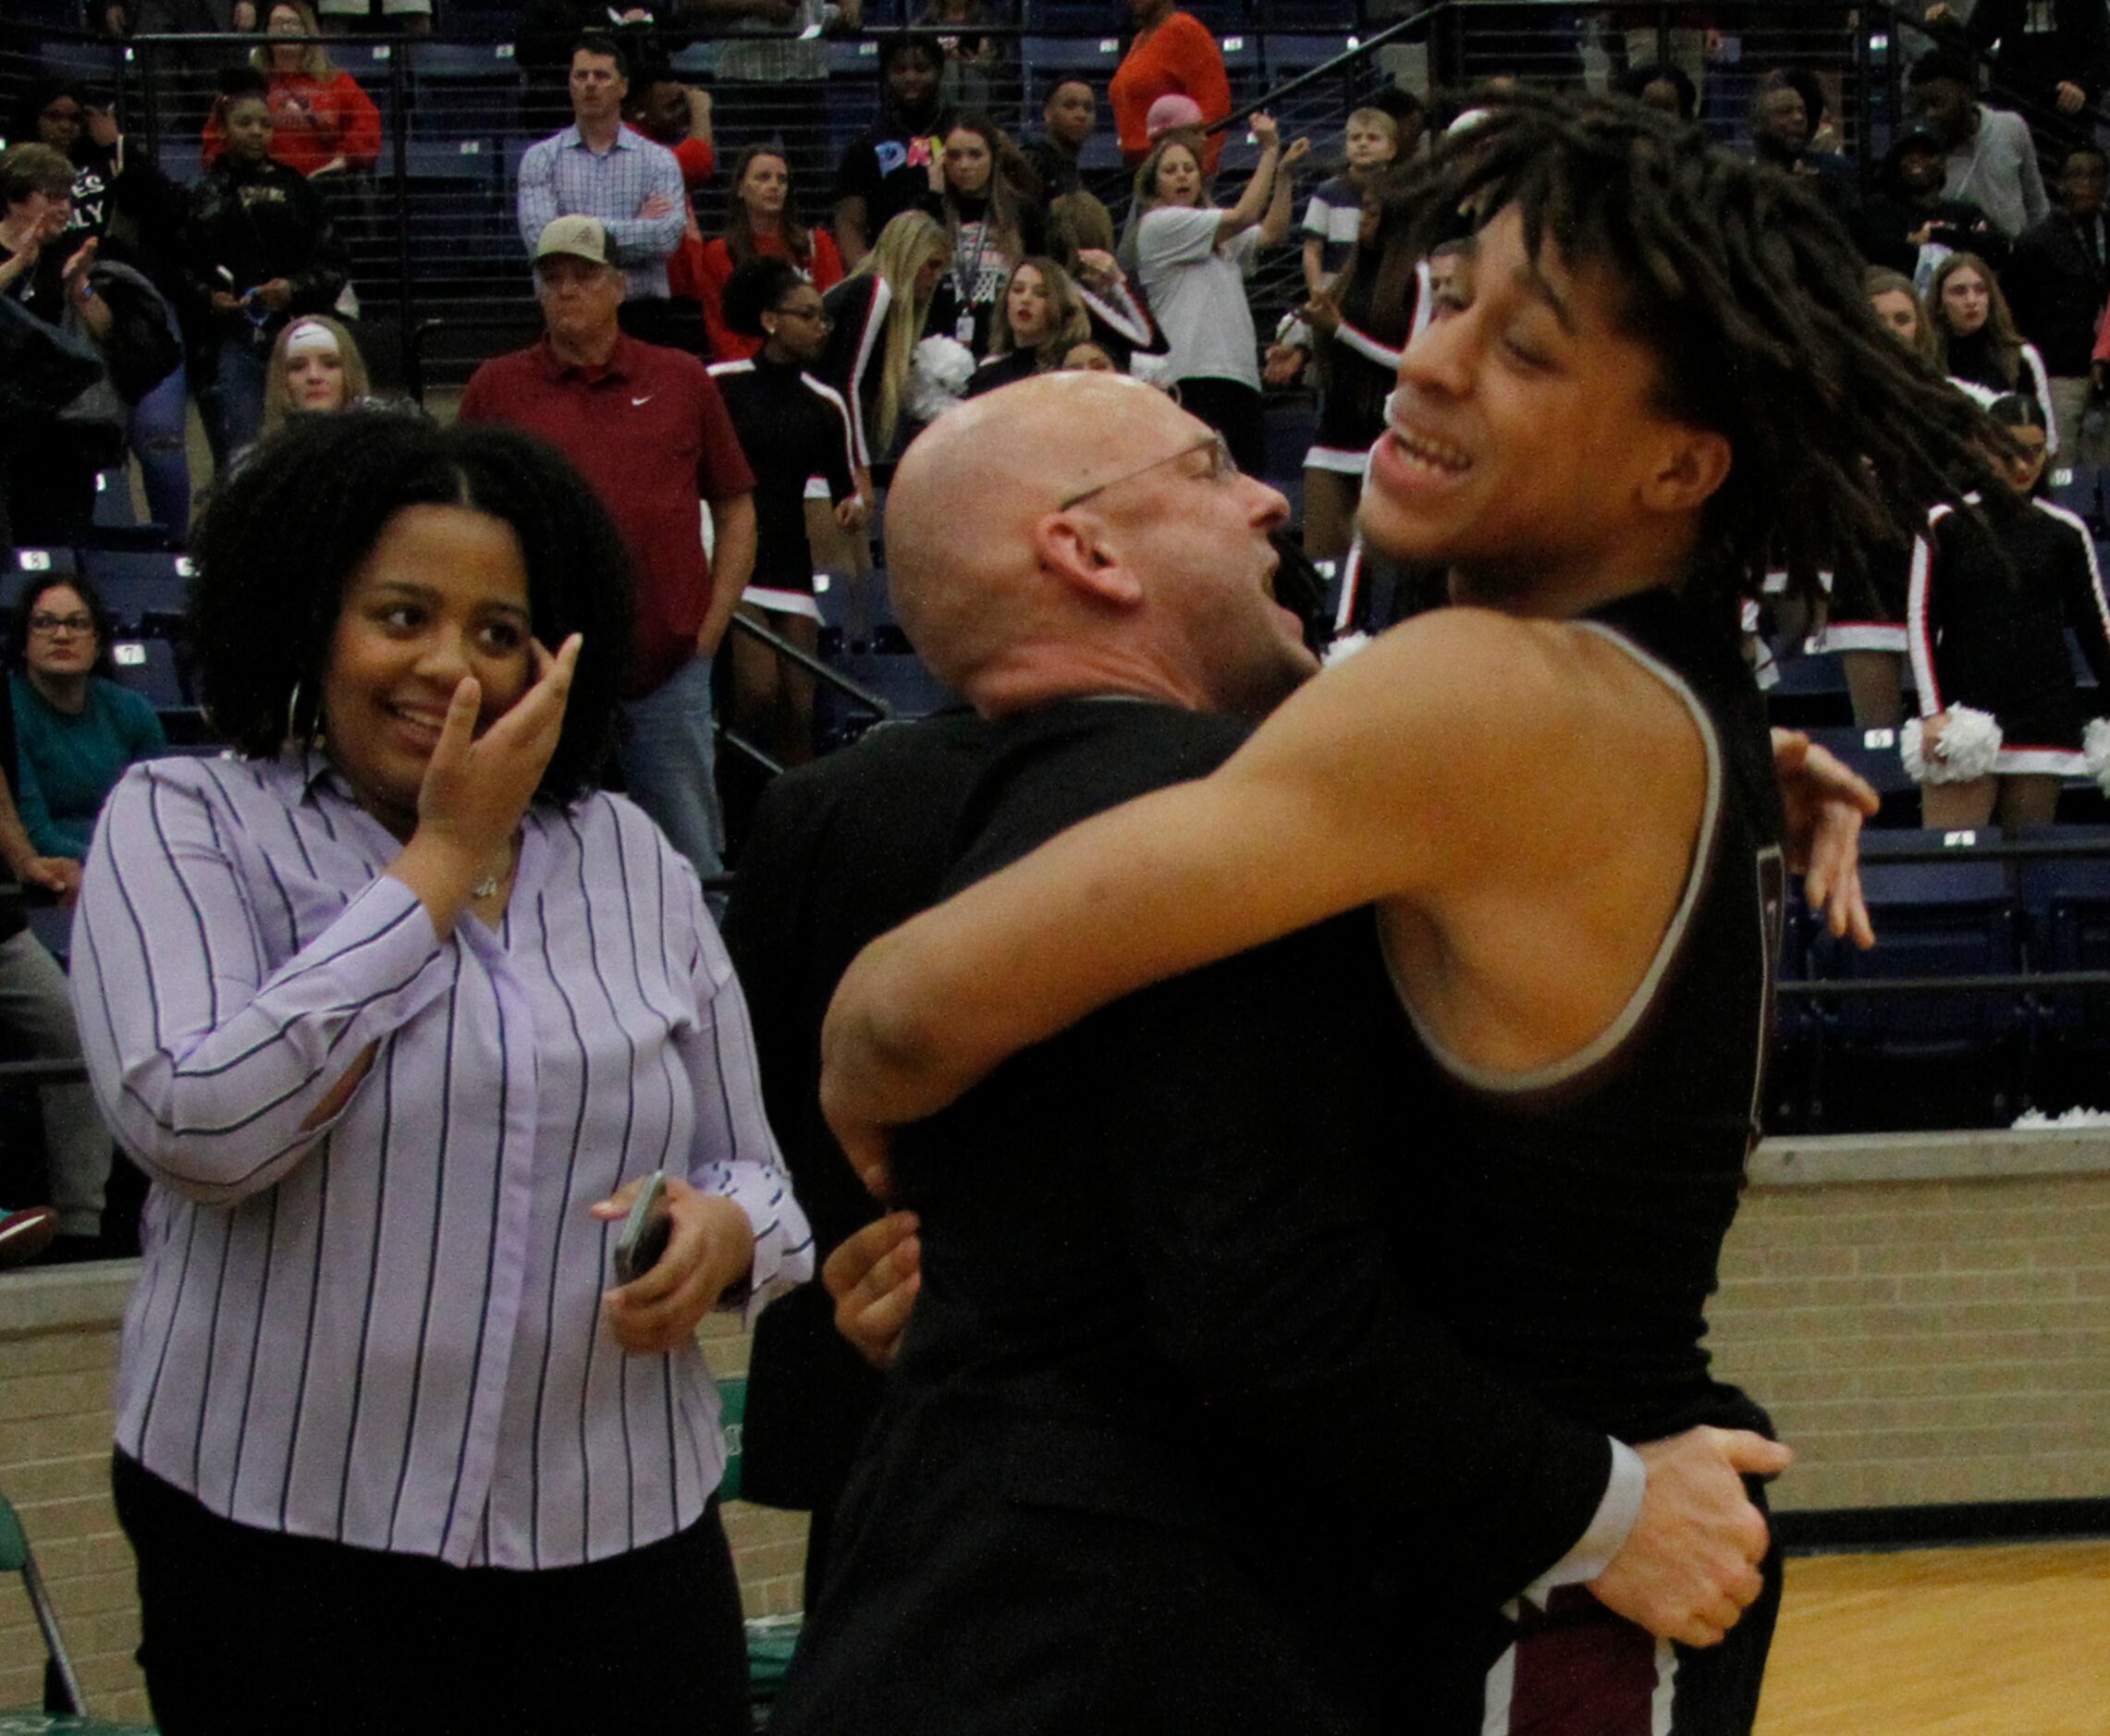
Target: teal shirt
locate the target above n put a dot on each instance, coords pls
(68, 765)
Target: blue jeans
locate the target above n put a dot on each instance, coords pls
(232, 406)
(667, 756)
(155, 435)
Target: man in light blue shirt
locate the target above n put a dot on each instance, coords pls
(597, 167)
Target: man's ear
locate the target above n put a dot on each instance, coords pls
(1693, 463)
(1077, 549)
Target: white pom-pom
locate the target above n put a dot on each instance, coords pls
(1970, 746)
(2095, 751)
(1345, 647)
(938, 379)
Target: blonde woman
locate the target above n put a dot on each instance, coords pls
(315, 368)
(1039, 321)
(879, 312)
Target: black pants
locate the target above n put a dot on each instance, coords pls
(1237, 412)
(248, 1631)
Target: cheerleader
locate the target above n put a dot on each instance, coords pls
(792, 428)
(1039, 321)
(1992, 591)
(876, 318)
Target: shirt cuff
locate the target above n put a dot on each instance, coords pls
(1609, 1527)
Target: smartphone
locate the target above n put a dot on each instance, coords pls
(645, 1230)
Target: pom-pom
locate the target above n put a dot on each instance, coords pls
(1970, 746)
(2095, 751)
(1345, 647)
(938, 379)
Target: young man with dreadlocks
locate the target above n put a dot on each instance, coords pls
(1559, 798)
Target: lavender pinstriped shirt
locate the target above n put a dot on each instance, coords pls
(386, 1331)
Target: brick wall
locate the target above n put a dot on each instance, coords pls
(1927, 1320)
(1927, 1323)
(58, 1349)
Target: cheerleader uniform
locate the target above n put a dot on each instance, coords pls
(1867, 606)
(1994, 639)
(1974, 369)
(791, 427)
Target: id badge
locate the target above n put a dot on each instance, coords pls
(964, 328)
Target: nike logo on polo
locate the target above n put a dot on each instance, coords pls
(638, 403)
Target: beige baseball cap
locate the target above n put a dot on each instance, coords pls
(581, 238)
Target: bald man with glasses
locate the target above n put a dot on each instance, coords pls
(1165, 1448)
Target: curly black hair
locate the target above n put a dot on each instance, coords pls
(282, 538)
(755, 287)
(1749, 295)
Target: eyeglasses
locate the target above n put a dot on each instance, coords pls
(42, 623)
(1222, 468)
(818, 315)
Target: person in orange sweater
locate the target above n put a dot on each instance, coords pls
(321, 121)
(761, 223)
(1173, 54)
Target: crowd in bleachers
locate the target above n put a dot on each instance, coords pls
(400, 934)
(947, 250)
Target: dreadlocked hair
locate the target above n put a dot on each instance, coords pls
(1750, 296)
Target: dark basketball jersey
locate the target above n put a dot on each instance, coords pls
(1582, 1207)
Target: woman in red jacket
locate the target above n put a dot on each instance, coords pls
(761, 223)
(321, 121)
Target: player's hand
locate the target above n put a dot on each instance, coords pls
(874, 1277)
(851, 512)
(1267, 132)
(1689, 1568)
(1824, 804)
(710, 1249)
(2072, 99)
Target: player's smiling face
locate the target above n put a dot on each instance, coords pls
(1523, 448)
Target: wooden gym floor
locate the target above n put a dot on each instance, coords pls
(1998, 1641)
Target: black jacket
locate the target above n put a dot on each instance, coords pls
(2057, 283)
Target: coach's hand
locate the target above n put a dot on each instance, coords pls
(874, 1277)
(1689, 1568)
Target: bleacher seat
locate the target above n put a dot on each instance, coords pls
(900, 677)
(2065, 902)
(460, 87)
(1917, 1059)
(1093, 58)
(144, 590)
(148, 667)
(1285, 54)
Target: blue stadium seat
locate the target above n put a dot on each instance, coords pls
(1286, 53)
(1093, 58)
(899, 677)
(465, 88)
(148, 667)
(1920, 1059)
(1872, 752)
(143, 590)
(2066, 912)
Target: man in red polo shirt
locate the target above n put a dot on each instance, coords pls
(647, 430)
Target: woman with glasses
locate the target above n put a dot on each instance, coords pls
(796, 434)
(762, 221)
(75, 729)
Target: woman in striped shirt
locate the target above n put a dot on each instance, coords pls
(397, 1010)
